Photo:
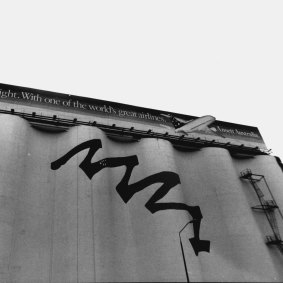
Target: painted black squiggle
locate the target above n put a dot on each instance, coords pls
(86, 165)
(126, 191)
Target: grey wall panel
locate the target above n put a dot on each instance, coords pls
(12, 166)
(138, 239)
(63, 226)
(32, 244)
(268, 167)
(235, 238)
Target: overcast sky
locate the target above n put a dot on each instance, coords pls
(220, 58)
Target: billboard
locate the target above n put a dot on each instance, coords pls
(207, 126)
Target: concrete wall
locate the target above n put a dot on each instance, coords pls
(62, 226)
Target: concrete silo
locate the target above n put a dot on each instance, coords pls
(96, 191)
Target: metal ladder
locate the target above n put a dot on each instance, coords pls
(267, 206)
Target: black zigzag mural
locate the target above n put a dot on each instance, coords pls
(126, 191)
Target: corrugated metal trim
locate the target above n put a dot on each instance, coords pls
(183, 142)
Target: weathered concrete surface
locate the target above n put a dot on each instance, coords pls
(61, 226)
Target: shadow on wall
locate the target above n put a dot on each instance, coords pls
(279, 162)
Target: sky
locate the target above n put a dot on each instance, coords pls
(219, 58)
